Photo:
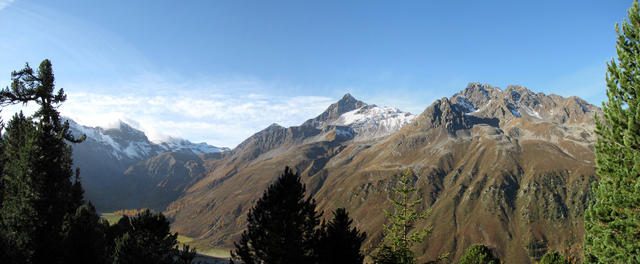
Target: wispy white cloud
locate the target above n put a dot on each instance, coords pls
(219, 111)
(221, 120)
(5, 3)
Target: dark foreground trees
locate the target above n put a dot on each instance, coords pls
(42, 216)
(84, 234)
(146, 238)
(38, 191)
(339, 241)
(283, 227)
(612, 222)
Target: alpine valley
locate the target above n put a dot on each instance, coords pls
(511, 169)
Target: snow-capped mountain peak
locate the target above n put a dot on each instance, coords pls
(371, 121)
(179, 144)
(125, 142)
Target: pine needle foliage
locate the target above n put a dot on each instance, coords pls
(612, 222)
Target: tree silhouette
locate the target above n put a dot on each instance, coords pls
(340, 242)
(282, 226)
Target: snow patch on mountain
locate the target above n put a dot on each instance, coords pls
(466, 104)
(372, 121)
(532, 112)
(123, 141)
(180, 144)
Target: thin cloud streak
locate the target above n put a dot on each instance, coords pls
(5, 3)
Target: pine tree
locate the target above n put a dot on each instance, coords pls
(84, 236)
(18, 215)
(399, 237)
(478, 254)
(612, 222)
(145, 238)
(37, 191)
(282, 226)
(340, 242)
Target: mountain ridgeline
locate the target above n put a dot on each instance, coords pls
(121, 168)
(510, 169)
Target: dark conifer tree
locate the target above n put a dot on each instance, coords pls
(147, 238)
(185, 255)
(18, 214)
(340, 242)
(84, 237)
(612, 222)
(77, 192)
(37, 173)
(282, 226)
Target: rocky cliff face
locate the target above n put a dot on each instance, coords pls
(508, 168)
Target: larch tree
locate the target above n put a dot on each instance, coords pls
(399, 233)
(612, 222)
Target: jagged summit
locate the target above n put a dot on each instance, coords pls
(444, 113)
(347, 96)
(274, 125)
(345, 104)
(348, 118)
(516, 101)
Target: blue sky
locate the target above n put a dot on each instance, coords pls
(219, 71)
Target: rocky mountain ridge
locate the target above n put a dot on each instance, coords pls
(347, 119)
(508, 168)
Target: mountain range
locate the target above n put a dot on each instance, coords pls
(511, 169)
(121, 168)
